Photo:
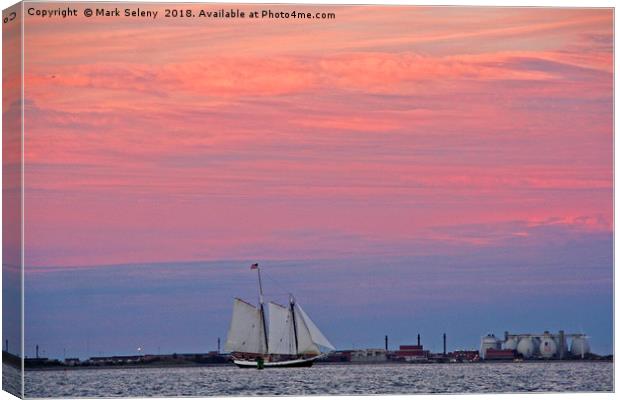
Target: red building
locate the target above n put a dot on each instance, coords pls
(496, 354)
(411, 353)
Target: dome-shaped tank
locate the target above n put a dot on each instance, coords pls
(511, 344)
(488, 342)
(548, 347)
(579, 346)
(526, 347)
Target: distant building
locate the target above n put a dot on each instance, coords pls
(337, 356)
(369, 355)
(543, 346)
(464, 355)
(115, 360)
(411, 353)
(496, 355)
(40, 362)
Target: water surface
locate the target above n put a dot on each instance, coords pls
(323, 379)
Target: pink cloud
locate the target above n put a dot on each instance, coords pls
(242, 76)
(367, 136)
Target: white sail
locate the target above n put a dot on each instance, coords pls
(305, 345)
(316, 336)
(246, 333)
(281, 332)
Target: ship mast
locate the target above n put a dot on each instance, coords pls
(262, 308)
(292, 303)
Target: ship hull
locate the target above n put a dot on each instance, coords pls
(299, 363)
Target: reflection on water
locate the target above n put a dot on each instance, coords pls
(323, 379)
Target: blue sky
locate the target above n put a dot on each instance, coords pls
(185, 307)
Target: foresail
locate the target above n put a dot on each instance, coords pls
(304, 340)
(316, 336)
(246, 333)
(281, 332)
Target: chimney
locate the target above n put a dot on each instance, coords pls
(418, 339)
(37, 351)
(444, 344)
(386, 343)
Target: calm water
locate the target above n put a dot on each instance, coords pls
(323, 379)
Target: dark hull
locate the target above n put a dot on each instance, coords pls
(284, 364)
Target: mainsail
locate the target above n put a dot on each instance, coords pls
(281, 330)
(246, 333)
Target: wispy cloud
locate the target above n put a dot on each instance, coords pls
(369, 137)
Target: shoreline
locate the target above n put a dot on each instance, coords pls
(223, 365)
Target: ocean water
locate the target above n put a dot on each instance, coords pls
(324, 379)
(11, 380)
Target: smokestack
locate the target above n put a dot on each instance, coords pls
(418, 339)
(444, 344)
(218, 345)
(562, 344)
(386, 343)
(37, 351)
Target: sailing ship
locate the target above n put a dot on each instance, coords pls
(290, 339)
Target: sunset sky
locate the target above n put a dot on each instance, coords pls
(400, 169)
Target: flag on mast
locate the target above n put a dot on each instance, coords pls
(254, 266)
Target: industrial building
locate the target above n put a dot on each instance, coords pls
(412, 353)
(369, 355)
(464, 355)
(544, 345)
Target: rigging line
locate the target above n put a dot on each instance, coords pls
(276, 283)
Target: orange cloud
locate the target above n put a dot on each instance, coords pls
(241, 76)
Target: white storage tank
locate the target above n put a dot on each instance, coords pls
(488, 342)
(579, 346)
(548, 347)
(526, 347)
(511, 344)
